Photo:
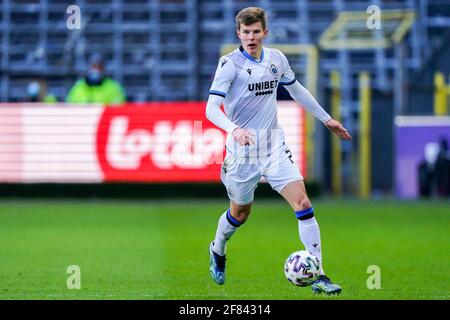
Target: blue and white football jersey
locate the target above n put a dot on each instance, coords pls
(249, 87)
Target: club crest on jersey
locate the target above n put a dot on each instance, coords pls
(249, 71)
(274, 70)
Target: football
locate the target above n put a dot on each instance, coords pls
(302, 268)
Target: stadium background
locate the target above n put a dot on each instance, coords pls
(389, 86)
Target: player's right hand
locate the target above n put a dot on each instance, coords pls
(243, 136)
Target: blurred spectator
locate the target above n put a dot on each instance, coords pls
(37, 92)
(442, 169)
(95, 87)
(434, 171)
(426, 170)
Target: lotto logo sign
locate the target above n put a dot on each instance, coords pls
(150, 142)
(159, 142)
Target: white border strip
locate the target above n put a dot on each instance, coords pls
(413, 121)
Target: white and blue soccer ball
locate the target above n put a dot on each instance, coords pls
(302, 268)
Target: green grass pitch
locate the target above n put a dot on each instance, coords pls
(159, 250)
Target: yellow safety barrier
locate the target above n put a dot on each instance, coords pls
(441, 94)
(336, 150)
(364, 135)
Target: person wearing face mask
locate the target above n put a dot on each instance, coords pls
(95, 87)
(37, 92)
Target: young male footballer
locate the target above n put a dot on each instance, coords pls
(246, 82)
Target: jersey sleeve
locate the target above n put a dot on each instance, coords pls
(288, 76)
(225, 74)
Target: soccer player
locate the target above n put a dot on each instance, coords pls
(246, 82)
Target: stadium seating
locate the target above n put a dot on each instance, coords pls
(168, 50)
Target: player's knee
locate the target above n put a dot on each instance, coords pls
(303, 204)
(241, 215)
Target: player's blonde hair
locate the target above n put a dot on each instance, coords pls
(250, 16)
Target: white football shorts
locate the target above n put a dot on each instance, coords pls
(241, 175)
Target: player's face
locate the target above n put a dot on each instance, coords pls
(251, 37)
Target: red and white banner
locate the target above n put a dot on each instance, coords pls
(151, 142)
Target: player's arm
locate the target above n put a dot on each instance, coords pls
(216, 116)
(305, 99)
(225, 75)
(302, 96)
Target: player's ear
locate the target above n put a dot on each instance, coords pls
(266, 32)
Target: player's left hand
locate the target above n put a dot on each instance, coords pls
(338, 129)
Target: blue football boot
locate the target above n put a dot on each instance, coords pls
(324, 285)
(216, 266)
